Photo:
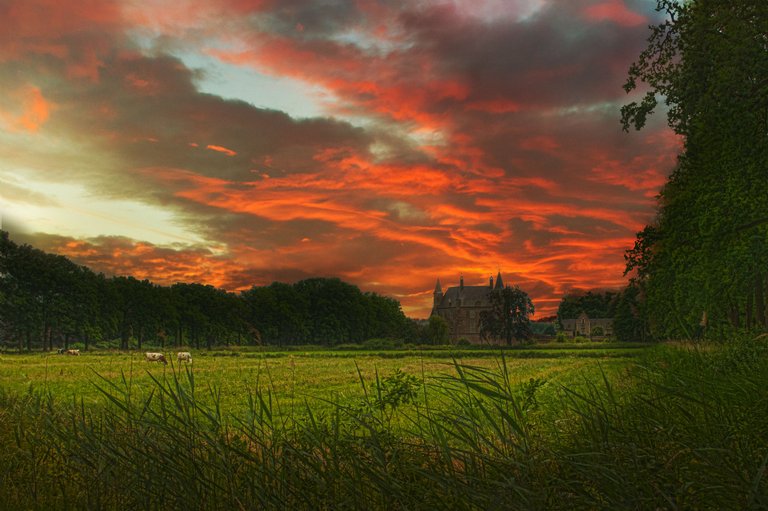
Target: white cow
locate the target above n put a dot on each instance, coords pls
(73, 352)
(184, 356)
(155, 357)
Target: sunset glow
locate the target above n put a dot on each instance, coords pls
(423, 139)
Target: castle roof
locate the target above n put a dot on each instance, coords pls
(467, 296)
(499, 283)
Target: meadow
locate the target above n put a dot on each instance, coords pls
(550, 427)
(293, 377)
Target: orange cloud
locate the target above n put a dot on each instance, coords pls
(221, 149)
(30, 112)
(162, 265)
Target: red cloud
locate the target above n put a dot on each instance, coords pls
(78, 33)
(615, 11)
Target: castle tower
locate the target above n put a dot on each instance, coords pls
(491, 282)
(499, 283)
(437, 296)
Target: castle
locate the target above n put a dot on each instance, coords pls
(461, 307)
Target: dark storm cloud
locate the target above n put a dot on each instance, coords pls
(149, 109)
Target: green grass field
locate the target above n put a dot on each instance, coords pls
(550, 427)
(297, 376)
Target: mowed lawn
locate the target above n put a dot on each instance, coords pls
(293, 378)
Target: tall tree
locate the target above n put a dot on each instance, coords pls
(508, 318)
(708, 247)
(438, 330)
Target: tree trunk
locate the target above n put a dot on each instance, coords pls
(748, 316)
(760, 300)
(735, 316)
(124, 338)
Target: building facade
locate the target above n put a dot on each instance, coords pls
(587, 327)
(461, 306)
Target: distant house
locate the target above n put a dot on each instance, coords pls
(584, 326)
(461, 307)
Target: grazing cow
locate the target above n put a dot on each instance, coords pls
(73, 352)
(61, 351)
(184, 356)
(155, 357)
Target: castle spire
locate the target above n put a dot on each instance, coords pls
(499, 282)
(437, 297)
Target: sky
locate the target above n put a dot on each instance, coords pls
(387, 143)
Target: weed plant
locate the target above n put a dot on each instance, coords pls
(679, 429)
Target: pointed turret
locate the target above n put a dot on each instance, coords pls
(437, 296)
(499, 282)
(491, 282)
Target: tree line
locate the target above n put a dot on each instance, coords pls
(701, 267)
(48, 301)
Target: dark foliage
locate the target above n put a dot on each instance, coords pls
(508, 319)
(47, 301)
(597, 304)
(700, 266)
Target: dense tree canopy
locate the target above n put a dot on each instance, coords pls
(596, 304)
(508, 319)
(47, 301)
(706, 253)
